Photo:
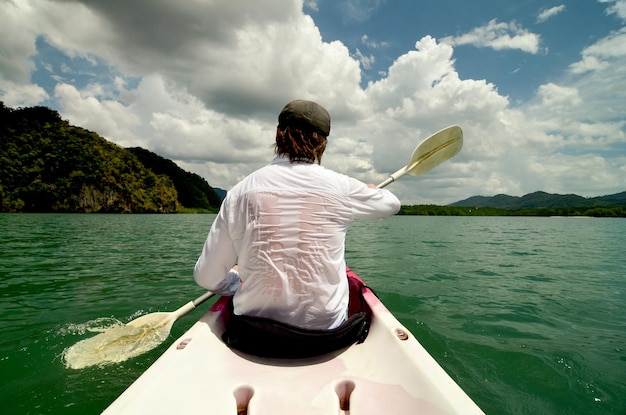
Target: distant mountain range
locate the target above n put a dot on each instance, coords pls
(542, 200)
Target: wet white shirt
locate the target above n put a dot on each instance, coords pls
(285, 225)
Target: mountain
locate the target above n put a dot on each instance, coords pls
(616, 199)
(193, 190)
(220, 192)
(48, 165)
(542, 200)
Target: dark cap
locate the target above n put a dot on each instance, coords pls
(308, 114)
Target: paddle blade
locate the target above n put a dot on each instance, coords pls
(119, 343)
(430, 153)
(436, 149)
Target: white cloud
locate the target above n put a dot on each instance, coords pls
(583, 173)
(589, 63)
(14, 63)
(599, 56)
(108, 118)
(227, 53)
(600, 76)
(372, 44)
(208, 93)
(547, 14)
(21, 95)
(617, 7)
(359, 10)
(366, 61)
(556, 96)
(499, 36)
(311, 4)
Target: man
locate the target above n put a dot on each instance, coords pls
(285, 225)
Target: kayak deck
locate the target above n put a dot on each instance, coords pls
(389, 373)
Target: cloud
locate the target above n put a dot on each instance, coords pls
(499, 36)
(206, 93)
(359, 10)
(311, 4)
(600, 75)
(556, 96)
(366, 61)
(372, 44)
(617, 7)
(16, 67)
(109, 118)
(228, 53)
(546, 14)
(585, 116)
(599, 56)
(21, 95)
(422, 94)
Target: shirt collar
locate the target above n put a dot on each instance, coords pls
(282, 159)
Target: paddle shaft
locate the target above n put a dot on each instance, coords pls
(204, 297)
(190, 306)
(387, 181)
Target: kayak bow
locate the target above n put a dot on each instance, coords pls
(389, 373)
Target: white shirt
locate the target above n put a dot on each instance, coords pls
(286, 225)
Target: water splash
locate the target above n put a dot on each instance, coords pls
(98, 325)
(116, 343)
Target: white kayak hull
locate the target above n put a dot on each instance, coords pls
(390, 373)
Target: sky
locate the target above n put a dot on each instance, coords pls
(537, 86)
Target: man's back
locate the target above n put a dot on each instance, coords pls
(288, 222)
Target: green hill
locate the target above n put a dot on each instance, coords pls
(532, 204)
(616, 199)
(193, 190)
(542, 200)
(48, 165)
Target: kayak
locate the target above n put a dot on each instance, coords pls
(390, 372)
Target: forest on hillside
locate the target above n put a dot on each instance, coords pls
(193, 190)
(541, 199)
(532, 204)
(48, 165)
(434, 210)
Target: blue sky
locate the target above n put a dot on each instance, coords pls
(539, 87)
(392, 27)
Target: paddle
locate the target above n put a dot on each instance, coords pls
(120, 343)
(430, 153)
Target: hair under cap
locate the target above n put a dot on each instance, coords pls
(308, 114)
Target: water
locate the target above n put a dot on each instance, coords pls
(526, 314)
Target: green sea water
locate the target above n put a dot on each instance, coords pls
(528, 315)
